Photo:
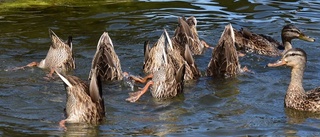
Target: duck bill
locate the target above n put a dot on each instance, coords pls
(277, 64)
(306, 38)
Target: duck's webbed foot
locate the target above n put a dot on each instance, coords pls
(245, 69)
(62, 124)
(134, 96)
(205, 44)
(240, 54)
(50, 74)
(141, 80)
(32, 64)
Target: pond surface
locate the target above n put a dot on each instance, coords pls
(249, 104)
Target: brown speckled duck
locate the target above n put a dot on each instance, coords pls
(153, 58)
(224, 61)
(84, 101)
(59, 57)
(166, 81)
(106, 60)
(296, 97)
(265, 45)
(186, 34)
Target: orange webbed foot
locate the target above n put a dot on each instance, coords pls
(32, 64)
(241, 54)
(245, 69)
(62, 124)
(134, 96)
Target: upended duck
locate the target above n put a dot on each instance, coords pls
(224, 61)
(59, 57)
(84, 101)
(265, 45)
(296, 97)
(153, 57)
(106, 60)
(166, 81)
(186, 34)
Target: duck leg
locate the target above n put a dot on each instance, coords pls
(141, 80)
(134, 96)
(245, 69)
(32, 64)
(49, 75)
(62, 124)
(206, 45)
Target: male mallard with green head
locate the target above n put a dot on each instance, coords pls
(106, 60)
(265, 45)
(84, 101)
(296, 97)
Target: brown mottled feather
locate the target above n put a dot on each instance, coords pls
(296, 97)
(59, 56)
(106, 60)
(265, 45)
(186, 34)
(224, 61)
(84, 102)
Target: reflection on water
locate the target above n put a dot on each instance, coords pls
(250, 104)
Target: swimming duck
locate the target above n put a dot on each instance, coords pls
(265, 45)
(167, 82)
(224, 61)
(186, 34)
(84, 101)
(153, 58)
(106, 60)
(59, 56)
(296, 97)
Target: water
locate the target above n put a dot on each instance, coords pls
(250, 104)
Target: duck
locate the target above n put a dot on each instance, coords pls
(106, 60)
(296, 97)
(265, 45)
(186, 34)
(224, 60)
(166, 82)
(153, 58)
(59, 57)
(84, 100)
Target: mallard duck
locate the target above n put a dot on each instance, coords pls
(84, 101)
(296, 97)
(167, 82)
(106, 60)
(59, 56)
(224, 61)
(186, 34)
(265, 45)
(153, 58)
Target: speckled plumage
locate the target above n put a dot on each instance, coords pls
(59, 56)
(296, 97)
(106, 60)
(265, 45)
(186, 34)
(84, 101)
(224, 61)
(153, 57)
(163, 64)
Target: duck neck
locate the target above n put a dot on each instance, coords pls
(287, 44)
(295, 93)
(296, 77)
